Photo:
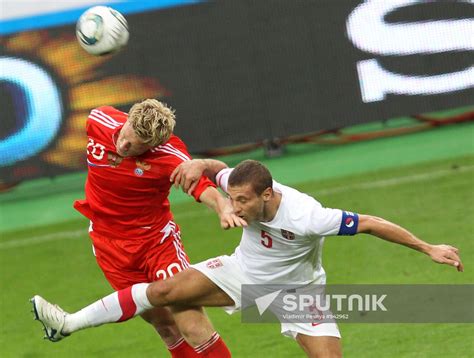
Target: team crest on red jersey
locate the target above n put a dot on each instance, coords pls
(114, 159)
(287, 234)
(141, 167)
(213, 264)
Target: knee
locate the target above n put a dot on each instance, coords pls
(160, 293)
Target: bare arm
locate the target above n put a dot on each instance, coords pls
(188, 173)
(386, 230)
(213, 199)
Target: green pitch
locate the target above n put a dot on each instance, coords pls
(435, 200)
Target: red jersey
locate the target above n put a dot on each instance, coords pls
(129, 200)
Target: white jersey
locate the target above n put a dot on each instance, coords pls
(288, 249)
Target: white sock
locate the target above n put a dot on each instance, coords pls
(116, 307)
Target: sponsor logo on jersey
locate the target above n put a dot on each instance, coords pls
(215, 263)
(138, 172)
(287, 234)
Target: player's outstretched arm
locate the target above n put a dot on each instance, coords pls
(187, 174)
(384, 229)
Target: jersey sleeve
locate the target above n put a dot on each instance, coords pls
(326, 221)
(203, 184)
(222, 178)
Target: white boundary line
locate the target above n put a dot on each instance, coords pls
(43, 238)
(383, 183)
(74, 234)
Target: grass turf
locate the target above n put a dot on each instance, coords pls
(434, 200)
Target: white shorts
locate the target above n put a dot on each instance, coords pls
(226, 273)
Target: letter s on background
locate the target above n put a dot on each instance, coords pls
(369, 32)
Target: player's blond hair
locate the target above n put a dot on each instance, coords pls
(152, 121)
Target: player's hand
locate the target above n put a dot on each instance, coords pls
(187, 175)
(446, 254)
(230, 220)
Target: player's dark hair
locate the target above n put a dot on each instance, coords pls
(251, 172)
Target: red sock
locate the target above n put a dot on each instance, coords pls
(213, 348)
(181, 349)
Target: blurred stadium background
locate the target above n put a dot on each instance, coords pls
(367, 106)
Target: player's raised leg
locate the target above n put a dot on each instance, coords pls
(188, 288)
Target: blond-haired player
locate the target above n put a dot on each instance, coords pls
(130, 158)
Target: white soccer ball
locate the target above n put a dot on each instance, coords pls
(102, 30)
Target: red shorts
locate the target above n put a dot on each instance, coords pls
(127, 262)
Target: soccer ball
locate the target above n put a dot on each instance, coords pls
(102, 30)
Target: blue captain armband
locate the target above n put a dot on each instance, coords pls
(349, 223)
